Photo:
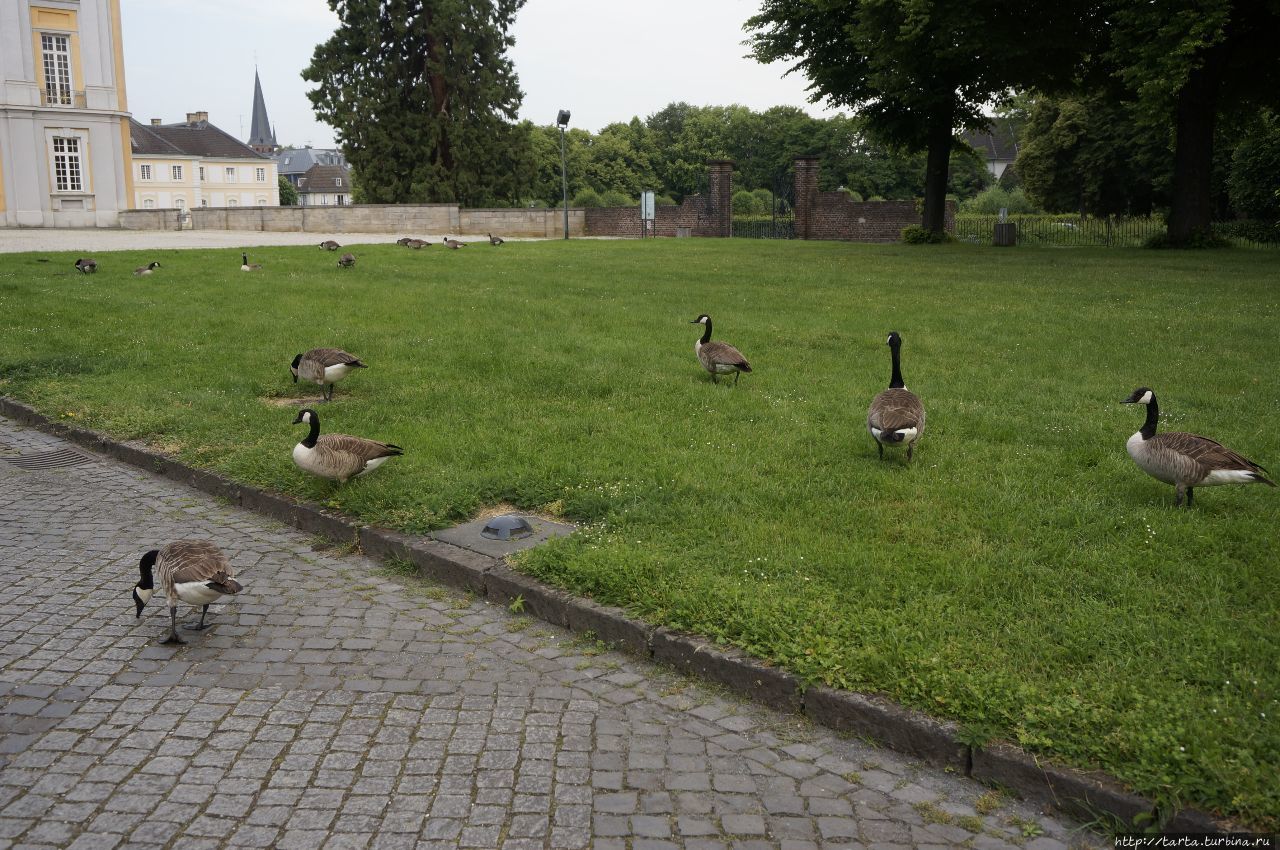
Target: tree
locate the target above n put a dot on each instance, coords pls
(918, 70)
(288, 194)
(1093, 154)
(1254, 184)
(423, 99)
(1191, 62)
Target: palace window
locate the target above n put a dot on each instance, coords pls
(262, 175)
(176, 172)
(67, 167)
(56, 53)
(144, 172)
(202, 174)
(231, 175)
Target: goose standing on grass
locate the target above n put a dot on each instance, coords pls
(338, 457)
(324, 366)
(1184, 460)
(454, 244)
(330, 245)
(896, 416)
(495, 241)
(84, 265)
(346, 261)
(246, 266)
(191, 571)
(718, 358)
(144, 270)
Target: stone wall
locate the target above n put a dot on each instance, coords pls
(405, 219)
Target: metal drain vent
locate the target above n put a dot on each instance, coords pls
(55, 459)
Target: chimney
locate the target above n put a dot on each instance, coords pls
(155, 122)
(197, 117)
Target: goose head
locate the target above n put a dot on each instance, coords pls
(306, 416)
(146, 583)
(1142, 395)
(153, 266)
(293, 367)
(701, 320)
(894, 340)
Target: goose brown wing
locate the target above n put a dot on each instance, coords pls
(331, 357)
(895, 409)
(1208, 453)
(192, 560)
(723, 352)
(348, 455)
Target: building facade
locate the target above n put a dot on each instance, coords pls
(293, 163)
(64, 121)
(325, 186)
(194, 164)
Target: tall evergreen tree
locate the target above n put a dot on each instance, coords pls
(424, 99)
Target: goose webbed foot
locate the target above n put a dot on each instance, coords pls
(173, 628)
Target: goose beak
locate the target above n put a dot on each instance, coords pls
(298, 419)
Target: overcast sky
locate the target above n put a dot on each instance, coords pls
(604, 60)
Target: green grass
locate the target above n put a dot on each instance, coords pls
(1021, 576)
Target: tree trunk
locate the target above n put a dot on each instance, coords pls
(935, 171)
(1197, 111)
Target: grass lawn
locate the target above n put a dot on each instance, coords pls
(1021, 576)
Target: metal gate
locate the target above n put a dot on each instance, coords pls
(779, 222)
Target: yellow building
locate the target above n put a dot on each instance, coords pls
(195, 164)
(64, 128)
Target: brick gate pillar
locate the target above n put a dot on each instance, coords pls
(806, 188)
(720, 197)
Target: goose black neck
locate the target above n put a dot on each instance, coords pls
(146, 580)
(706, 334)
(314, 433)
(1153, 418)
(895, 380)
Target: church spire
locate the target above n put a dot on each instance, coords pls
(262, 137)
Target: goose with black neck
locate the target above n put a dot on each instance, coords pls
(896, 416)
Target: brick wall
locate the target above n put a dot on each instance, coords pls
(834, 216)
(694, 213)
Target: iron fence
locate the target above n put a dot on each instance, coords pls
(1083, 231)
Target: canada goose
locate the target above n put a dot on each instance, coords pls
(1186, 460)
(346, 261)
(718, 358)
(147, 269)
(495, 240)
(84, 265)
(246, 266)
(454, 244)
(338, 456)
(324, 366)
(191, 571)
(896, 415)
(416, 244)
(404, 240)
(330, 245)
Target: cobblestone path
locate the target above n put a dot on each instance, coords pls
(335, 705)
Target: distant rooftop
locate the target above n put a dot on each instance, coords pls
(193, 137)
(300, 160)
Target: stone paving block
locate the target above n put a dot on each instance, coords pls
(310, 716)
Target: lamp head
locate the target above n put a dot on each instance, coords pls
(562, 118)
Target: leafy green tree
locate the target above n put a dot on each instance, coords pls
(587, 198)
(423, 99)
(288, 194)
(746, 203)
(1191, 62)
(614, 198)
(918, 70)
(991, 201)
(1093, 154)
(1254, 181)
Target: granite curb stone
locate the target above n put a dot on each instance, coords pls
(895, 726)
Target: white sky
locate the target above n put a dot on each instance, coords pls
(604, 60)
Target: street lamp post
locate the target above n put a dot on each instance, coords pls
(562, 121)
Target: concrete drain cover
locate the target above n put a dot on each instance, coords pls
(503, 535)
(55, 459)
